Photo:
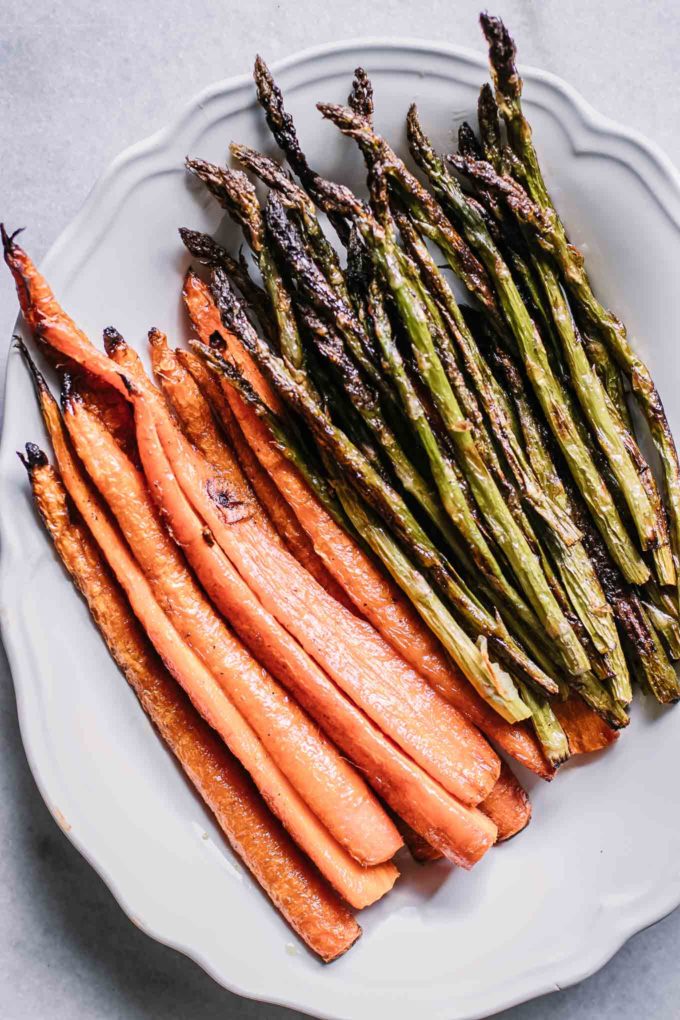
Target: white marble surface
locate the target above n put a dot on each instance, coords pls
(81, 80)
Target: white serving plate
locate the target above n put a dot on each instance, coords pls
(601, 859)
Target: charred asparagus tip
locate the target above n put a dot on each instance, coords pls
(261, 72)
(34, 457)
(113, 340)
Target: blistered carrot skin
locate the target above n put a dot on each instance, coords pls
(507, 805)
(343, 802)
(284, 520)
(307, 903)
(358, 885)
(374, 595)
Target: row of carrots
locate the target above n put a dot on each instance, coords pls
(314, 712)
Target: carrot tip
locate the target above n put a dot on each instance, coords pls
(8, 239)
(36, 375)
(155, 336)
(113, 340)
(34, 458)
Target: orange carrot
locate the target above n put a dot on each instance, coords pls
(402, 784)
(585, 730)
(307, 903)
(284, 520)
(331, 788)
(507, 805)
(358, 885)
(374, 595)
(348, 649)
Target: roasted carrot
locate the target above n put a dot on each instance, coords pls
(507, 805)
(464, 834)
(327, 783)
(284, 520)
(348, 649)
(402, 784)
(585, 730)
(374, 595)
(360, 886)
(307, 903)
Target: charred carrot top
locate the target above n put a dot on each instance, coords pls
(307, 903)
(507, 805)
(343, 802)
(359, 886)
(350, 650)
(284, 520)
(409, 791)
(376, 597)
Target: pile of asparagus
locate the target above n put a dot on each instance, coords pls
(484, 451)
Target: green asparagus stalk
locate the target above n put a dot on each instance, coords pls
(622, 453)
(237, 195)
(603, 323)
(491, 682)
(505, 530)
(281, 125)
(374, 489)
(576, 569)
(550, 392)
(490, 393)
(452, 497)
(547, 727)
(648, 657)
